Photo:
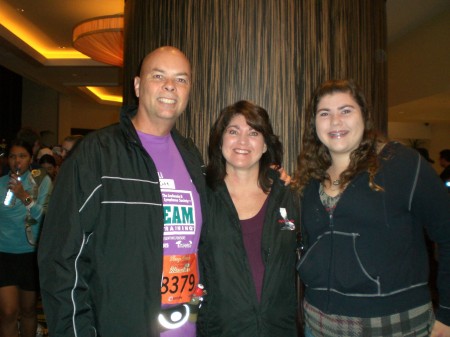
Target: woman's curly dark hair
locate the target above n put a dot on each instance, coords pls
(315, 159)
(259, 120)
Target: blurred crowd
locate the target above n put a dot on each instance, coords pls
(45, 155)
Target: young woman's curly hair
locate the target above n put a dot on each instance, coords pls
(315, 159)
(258, 119)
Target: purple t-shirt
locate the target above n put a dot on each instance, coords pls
(182, 225)
(252, 234)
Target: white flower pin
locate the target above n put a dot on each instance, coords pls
(288, 225)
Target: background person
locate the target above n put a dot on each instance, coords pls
(48, 163)
(119, 244)
(249, 240)
(57, 154)
(68, 144)
(32, 137)
(365, 203)
(18, 265)
(43, 151)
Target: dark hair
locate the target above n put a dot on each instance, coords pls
(259, 120)
(22, 143)
(47, 159)
(315, 159)
(445, 154)
(28, 135)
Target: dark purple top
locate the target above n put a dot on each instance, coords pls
(252, 234)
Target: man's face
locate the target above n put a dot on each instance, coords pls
(163, 86)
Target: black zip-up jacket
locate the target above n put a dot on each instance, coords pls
(101, 250)
(231, 307)
(369, 259)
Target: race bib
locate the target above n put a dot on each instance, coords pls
(180, 276)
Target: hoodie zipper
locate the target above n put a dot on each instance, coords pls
(331, 258)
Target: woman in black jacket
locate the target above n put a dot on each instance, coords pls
(365, 205)
(248, 246)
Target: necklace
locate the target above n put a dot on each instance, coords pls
(336, 182)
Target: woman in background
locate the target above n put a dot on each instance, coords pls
(48, 163)
(365, 203)
(20, 219)
(248, 243)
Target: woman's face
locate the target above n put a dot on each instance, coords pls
(242, 146)
(339, 123)
(19, 159)
(50, 169)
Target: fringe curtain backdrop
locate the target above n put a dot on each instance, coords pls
(271, 52)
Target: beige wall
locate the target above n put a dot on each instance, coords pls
(76, 112)
(440, 140)
(45, 109)
(419, 62)
(433, 137)
(418, 73)
(40, 108)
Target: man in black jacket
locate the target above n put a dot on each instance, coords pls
(120, 238)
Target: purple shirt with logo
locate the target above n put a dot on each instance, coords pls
(182, 225)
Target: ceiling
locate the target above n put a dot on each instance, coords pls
(52, 61)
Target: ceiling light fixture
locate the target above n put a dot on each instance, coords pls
(101, 39)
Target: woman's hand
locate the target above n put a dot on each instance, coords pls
(283, 174)
(440, 330)
(16, 187)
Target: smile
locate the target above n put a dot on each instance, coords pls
(166, 100)
(241, 151)
(337, 134)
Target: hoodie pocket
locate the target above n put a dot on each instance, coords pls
(332, 263)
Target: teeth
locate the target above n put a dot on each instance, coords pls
(337, 133)
(166, 100)
(242, 151)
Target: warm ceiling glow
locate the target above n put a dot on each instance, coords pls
(101, 39)
(28, 37)
(98, 92)
(13, 22)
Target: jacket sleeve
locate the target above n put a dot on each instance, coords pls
(63, 253)
(431, 204)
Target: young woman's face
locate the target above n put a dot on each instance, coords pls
(242, 146)
(19, 159)
(339, 123)
(50, 169)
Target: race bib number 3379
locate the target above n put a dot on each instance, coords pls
(180, 276)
